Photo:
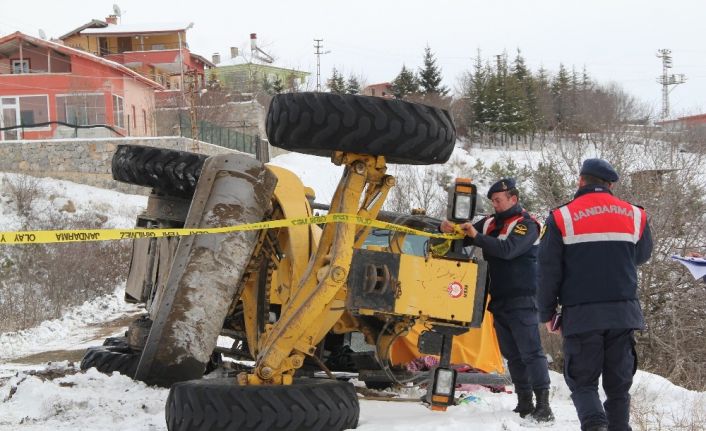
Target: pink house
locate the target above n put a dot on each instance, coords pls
(383, 89)
(45, 86)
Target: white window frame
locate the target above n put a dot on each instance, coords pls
(120, 111)
(18, 104)
(56, 97)
(18, 65)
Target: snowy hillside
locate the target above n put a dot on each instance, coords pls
(42, 389)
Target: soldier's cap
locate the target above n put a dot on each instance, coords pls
(599, 168)
(503, 185)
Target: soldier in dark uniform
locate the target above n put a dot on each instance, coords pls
(509, 241)
(588, 258)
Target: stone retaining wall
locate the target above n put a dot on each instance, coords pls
(86, 161)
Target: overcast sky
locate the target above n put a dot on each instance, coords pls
(616, 40)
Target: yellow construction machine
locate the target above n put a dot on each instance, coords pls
(288, 298)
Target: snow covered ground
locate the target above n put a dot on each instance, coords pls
(57, 396)
(42, 396)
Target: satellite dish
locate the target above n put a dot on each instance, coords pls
(116, 10)
(42, 35)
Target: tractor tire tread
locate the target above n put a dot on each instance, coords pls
(221, 404)
(321, 123)
(171, 172)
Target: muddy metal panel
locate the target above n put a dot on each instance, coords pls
(206, 270)
(147, 265)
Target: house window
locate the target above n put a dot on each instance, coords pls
(34, 109)
(20, 66)
(144, 119)
(118, 111)
(81, 109)
(134, 118)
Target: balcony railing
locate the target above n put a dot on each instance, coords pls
(137, 46)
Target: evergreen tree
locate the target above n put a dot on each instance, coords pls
(352, 86)
(560, 91)
(337, 84)
(277, 86)
(477, 92)
(430, 76)
(266, 85)
(586, 82)
(526, 95)
(544, 99)
(405, 84)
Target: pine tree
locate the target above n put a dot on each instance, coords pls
(544, 100)
(525, 94)
(477, 95)
(277, 86)
(352, 86)
(337, 84)
(405, 84)
(430, 76)
(560, 89)
(266, 85)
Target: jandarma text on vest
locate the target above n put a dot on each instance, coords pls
(602, 209)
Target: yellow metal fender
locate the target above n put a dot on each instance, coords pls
(478, 347)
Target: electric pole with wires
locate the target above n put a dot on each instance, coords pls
(667, 80)
(318, 45)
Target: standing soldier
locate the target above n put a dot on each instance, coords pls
(588, 260)
(509, 241)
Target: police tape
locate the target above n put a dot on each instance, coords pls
(443, 247)
(91, 235)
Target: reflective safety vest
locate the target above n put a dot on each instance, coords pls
(600, 233)
(508, 225)
(600, 217)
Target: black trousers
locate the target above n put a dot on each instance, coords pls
(587, 356)
(518, 336)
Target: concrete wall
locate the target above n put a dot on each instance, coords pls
(86, 161)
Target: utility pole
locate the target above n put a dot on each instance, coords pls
(666, 80)
(318, 45)
(192, 112)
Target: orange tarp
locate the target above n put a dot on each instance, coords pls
(478, 347)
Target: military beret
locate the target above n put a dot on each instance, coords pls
(503, 185)
(599, 168)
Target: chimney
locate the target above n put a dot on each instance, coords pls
(233, 51)
(253, 42)
(112, 19)
(215, 58)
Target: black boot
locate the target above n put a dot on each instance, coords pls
(597, 428)
(524, 404)
(542, 413)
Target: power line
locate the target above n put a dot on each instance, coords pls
(666, 80)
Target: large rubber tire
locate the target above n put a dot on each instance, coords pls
(117, 356)
(221, 404)
(320, 123)
(120, 342)
(107, 359)
(174, 173)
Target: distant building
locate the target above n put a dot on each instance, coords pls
(383, 89)
(243, 75)
(249, 77)
(684, 123)
(157, 51)
(45, 82)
